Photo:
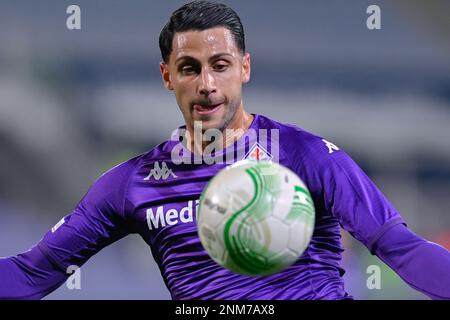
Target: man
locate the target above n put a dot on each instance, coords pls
(155, 194)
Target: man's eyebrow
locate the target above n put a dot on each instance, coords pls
(219, 55)
(214, 57)
(188, 58)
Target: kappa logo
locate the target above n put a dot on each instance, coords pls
(160, 172)
(257, 152)
(331, 147)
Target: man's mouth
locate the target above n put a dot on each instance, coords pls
(207, 109)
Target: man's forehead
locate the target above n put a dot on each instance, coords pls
(209, 41)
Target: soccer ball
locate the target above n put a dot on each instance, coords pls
(255, 217)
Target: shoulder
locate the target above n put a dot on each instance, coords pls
(115, 179)
(297, 142)
(109, 191)
(128, 167)
(318, 160)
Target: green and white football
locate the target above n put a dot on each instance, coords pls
(255, 217)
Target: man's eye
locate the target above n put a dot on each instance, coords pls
(220, 67)
(188, 70)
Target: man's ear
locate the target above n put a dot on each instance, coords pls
(246, 68)
(164, 69)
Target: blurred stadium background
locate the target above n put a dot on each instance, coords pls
(75, 103)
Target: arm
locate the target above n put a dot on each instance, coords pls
(363, 210)
(422, 264)
(29, 275)
(97, 221)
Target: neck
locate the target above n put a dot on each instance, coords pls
(228, 135)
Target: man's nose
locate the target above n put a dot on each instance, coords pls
(207, 83)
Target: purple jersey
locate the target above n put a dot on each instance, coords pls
(157, 197)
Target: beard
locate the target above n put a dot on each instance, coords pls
(230, 108)
(230, 112)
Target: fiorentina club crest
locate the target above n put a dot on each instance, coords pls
(257, 152)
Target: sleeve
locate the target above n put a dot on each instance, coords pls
(422, 264)
(364, 211)
(97, 221)
(353, 198)
(29, 276)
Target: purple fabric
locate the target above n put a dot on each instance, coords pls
(29, 275)
(156, 198)
(422, 264)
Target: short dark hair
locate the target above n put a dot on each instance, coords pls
(201, 15)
